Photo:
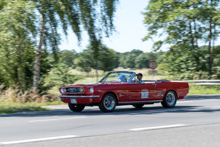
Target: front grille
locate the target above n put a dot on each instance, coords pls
(74, 90)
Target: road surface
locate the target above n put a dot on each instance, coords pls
(195, 121)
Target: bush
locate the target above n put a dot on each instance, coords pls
(11, 95)
(60, 76)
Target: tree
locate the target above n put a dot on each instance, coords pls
(117, 60)
(137, 52)
(16, 43)
(67, 57)
(142, 61)
(185, 24)
(60, 75)
(129, 61)
(85, 62)
(107, 59)
(95, 16)
(122, 59)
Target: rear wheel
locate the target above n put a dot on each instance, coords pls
(76, 107)
(108, 103)
(138, 106)
(169, 100)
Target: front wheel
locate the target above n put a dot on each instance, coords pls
(169, 100)
(76, 107)
(108, 103)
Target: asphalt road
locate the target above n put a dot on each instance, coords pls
(195, 121)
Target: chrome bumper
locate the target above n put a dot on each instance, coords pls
(79, 96)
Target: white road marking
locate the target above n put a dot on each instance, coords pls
(55, 119)
(39, 139)
(158, 127)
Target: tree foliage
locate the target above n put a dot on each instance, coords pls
(142, 61)
(85, 61)
(106, 59)
(186, 24)
(21, 27)
(16, 43)
(94, 16)
(67, 57)
(60, 75)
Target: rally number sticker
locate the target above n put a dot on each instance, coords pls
(144, 93)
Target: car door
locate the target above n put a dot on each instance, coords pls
(141, 92)
(122, 92)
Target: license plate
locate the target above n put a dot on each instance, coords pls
(73, 101)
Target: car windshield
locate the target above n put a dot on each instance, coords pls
(117, 77)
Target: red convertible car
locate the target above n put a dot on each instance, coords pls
(113, 90)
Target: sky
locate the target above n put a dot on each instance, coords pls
(130, 30)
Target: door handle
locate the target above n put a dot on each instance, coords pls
(154, 85)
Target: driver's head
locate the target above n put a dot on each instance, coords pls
(139, 76)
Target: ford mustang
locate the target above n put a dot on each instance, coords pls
(113, 90)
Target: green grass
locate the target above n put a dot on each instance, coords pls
(21, 107)
(198, 89)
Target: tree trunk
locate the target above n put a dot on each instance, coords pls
(194, 47)
(196, 33)
(192, 37)
(209, 48)
(36, 77)
(97, 67)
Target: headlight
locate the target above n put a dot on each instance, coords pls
(91, 90)
(63, 90)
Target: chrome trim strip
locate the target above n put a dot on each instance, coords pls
(79, 96)
(135, 102)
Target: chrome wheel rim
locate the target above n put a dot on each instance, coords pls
(109, 102)
(170, 98)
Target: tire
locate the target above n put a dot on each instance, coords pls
(169, 100)
(138, 106)
(76, 107)
(108, 103)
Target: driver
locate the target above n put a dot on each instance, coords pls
(139, 78)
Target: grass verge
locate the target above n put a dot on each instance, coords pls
(6, 108)
(198, 89)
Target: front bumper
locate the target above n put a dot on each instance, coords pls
(81, 99)
(79, 96)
